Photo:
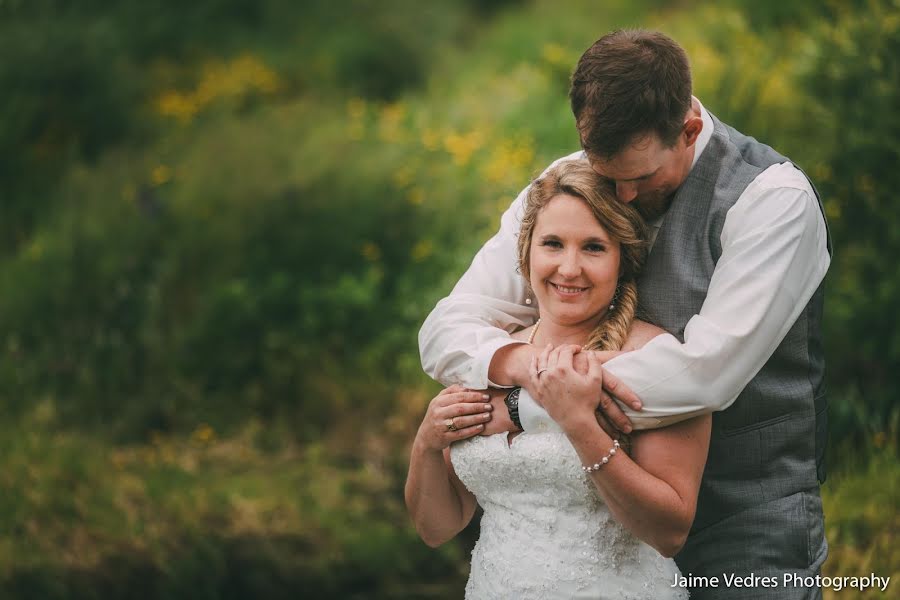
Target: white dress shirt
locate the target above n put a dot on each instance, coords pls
(774, 256)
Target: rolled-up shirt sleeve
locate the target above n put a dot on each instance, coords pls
(465, 329)
(774, 256)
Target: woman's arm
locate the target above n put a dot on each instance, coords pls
(436, 499)
(653, 493)
(438, 502)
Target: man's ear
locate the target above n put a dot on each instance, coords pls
(692, 128)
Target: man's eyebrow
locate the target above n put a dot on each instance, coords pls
(647, 176)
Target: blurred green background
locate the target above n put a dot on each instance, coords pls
(222, 223)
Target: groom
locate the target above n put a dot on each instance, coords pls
(739, 251)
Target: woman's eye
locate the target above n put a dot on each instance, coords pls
(595, 247)
(552, 243)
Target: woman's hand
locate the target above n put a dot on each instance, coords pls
(454, 414)
(568, 395)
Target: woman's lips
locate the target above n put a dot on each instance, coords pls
(566, 290)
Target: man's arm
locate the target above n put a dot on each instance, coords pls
(774, 257)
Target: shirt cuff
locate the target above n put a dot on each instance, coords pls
(533, 417)
(477, 377)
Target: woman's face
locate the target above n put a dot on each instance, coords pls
(574, 263)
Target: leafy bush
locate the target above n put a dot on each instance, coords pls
(209, 301)
(857, 76)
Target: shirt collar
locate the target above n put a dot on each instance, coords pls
(705, 134)
(700, 146)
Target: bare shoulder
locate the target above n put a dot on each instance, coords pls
(522, 334)
(640, 333)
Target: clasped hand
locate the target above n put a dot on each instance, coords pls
(569, 395)
(454, 414)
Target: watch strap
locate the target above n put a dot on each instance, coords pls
(512, 405)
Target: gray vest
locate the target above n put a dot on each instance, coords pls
(770, 443)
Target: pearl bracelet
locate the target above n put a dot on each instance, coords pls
(596, 466)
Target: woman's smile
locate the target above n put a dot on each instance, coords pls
(574, 263)
(567, 291)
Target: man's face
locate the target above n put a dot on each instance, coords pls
(647, 173)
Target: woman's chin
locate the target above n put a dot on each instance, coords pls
(570, 314)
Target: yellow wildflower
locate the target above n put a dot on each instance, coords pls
(555, 55)
(160, 175)
(204, 434)
(422, 250)
(371, 252)
(462, 146)
(416, 196)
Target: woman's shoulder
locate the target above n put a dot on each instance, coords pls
(640, 333)
(522, 334)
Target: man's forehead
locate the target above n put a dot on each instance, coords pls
(627, 168)
(641, 158)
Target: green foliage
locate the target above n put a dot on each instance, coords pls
(862, 523)
(64, 100)
(223, 224)
(80, 78)
(823, 96)
(857, 73)
(195, 516)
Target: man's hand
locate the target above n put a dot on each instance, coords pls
(510, 366)
(614, 388)
(500, 421)
(609, 415)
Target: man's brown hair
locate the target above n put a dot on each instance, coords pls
(628, 84)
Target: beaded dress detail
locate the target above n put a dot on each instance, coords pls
(545, 532)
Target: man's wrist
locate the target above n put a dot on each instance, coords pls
(509, 365)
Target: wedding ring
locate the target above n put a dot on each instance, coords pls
(538, 374)
(451, 426)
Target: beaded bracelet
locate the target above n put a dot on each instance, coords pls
(596, 466)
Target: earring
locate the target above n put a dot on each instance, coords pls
(528, 301)
(612, 304)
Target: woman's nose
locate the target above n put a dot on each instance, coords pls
(570, 267)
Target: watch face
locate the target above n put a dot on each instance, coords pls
(512, 398)
(512, 406)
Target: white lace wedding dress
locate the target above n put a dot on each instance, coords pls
(545, 532)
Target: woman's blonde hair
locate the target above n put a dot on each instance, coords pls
(618, 219)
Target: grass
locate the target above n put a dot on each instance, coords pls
(862, 524)
(256, 514)
(250, 514)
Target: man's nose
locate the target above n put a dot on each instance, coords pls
(626, 191)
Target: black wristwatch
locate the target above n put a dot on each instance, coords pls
(512, 405)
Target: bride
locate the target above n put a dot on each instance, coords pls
(568, 513)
